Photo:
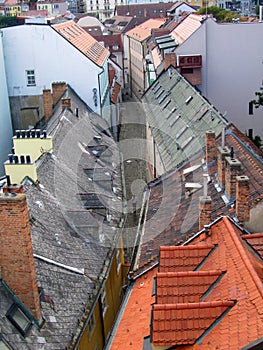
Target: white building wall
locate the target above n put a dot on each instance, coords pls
(40, 48)
(5, 119)
(232, 60)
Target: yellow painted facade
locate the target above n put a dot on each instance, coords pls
(13, 10)
(18, 172)
(35, 147)
(105, 311)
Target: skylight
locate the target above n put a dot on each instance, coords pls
(19, 319)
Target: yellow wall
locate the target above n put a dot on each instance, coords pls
(35, 147)
(113, 286)
(14, 10)
(18, 172)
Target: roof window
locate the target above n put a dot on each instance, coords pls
(19, 319)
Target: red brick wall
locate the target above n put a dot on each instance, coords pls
(58, 90)
(47, 103)
(205, 211)
(222, 153)
(169, 60)
(16, 252)
(233, 168)
(210, 146)
(66, 102)
(242, 198)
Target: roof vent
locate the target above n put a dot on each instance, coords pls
(189, 99)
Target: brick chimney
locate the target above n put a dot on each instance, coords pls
(169, 60)
(47, 103)
(58, 89)
(205, 211)
(233, 168)
(242, 198)
(16, 252)
(66, 102)
(222, 153)
(210, 142)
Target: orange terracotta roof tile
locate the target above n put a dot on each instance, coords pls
(135, 321)
(187, 27)
(84, 42)
(256, 241)
(180, 287)
(181, 324)
(143, 31)
(182, 258)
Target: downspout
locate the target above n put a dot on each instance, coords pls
(100, 89)
(130, 71)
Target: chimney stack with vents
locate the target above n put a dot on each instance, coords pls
(47, 104)
(169, 60)
(58, 90)
(205, 211)
(233, 168)
(66, 102)
(222, 153)
(16, 252)
(242, 198)
(210, 146)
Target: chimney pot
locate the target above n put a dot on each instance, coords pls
(205, 211)
(28, 133)
(33, 133)
(233, 168)
(22, 159)
(10, 157)
(18, 133)
(222, 153)
(28, 159)
(23, 133)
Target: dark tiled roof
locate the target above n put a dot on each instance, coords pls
(112, 42)
(172, 214)
(70, 244)
(186, 116)
(144, 10)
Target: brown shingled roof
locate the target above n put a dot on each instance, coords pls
(84, 42)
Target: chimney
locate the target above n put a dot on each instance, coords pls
(16, 252)
(169, 60)
(58, 89)
(222, 153)
(13, 189)
(205, 211)
(233, 168)
(47, 103)
(210, 142)
(242, 198)
(66, 102)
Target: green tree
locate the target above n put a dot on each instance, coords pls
(8, 21)
(221, 15)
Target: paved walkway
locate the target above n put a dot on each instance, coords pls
(133, 148)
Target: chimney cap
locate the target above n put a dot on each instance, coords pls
(242, 178)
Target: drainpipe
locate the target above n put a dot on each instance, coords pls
(130, 73)
(100, 89)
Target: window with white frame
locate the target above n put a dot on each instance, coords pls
(104, 303)
(30, 75)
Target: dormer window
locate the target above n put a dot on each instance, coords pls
(3, 343)
(19, 319)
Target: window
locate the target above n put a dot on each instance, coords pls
(19, 319)
(3, 343)
(30, 74)
(91, 325)
(104, 301)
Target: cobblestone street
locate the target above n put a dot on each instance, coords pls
(133, 149)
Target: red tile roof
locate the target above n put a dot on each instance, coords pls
(187, 27)
(143, 31)
(181, 287)
(217, 305)
(182, 324)
(84, 42)
(134, 324)
(148, 10)
(256, 241)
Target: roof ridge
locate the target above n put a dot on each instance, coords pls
(200, 305)
(187, 247)
(189, 273)
(252, 235)
(244, 256)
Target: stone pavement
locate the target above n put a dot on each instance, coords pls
(133, 149)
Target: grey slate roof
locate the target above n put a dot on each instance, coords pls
(71, 245)
(179, 117)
